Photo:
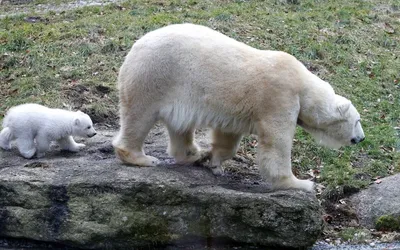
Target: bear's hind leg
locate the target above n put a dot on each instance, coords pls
(183, 147)
(224, 147)
(68, 143)
(5, 138)
(42, 145)
(275, 137)
(128, 144)
(26, 146)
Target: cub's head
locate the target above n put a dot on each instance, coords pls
(83, 125)
(343, 126)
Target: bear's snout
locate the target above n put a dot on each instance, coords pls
(357, 140)
(92, 134)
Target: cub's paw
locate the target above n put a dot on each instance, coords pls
(76, 147)
(28, 154)
(80, 145)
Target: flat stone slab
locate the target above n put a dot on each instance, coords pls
(378, 200)
(90, 200)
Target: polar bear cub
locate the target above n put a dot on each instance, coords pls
(190, 76)
(34, 126)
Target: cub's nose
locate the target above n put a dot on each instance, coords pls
(92, 135)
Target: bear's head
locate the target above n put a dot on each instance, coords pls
(83, 125)
(342, 125)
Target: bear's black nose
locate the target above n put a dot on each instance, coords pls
(356, 140)
(92, 135)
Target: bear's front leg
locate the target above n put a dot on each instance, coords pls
(136, 122)
(68, 143)
(274, 153)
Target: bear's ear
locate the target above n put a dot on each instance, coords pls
(77, 122)
(343, 104)
(79, 112)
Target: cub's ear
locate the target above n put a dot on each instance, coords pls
(79, 112)
(77, 122)
(342, 104)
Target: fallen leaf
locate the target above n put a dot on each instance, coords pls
(388, 28)
(327, 218)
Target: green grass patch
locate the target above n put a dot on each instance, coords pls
(64, 58)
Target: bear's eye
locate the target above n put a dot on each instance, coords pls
(89, 127)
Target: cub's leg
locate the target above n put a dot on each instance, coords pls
(224, 147)
(275, 137)
(183, 147)
(42, 145)
(128, 144)
(26, 146)
(5, 138)
(68, 143)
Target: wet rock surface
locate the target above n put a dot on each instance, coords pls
(90, 200)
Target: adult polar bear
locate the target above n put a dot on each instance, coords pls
(190, 76)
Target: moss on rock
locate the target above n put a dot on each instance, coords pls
(388, 223)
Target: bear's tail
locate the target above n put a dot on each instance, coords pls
(5, 138)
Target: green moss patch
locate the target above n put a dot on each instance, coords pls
(388, 223)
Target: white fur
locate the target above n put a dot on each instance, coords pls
(341, 123)
(34, 126)
(190, 76)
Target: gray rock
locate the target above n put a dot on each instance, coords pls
(378, 200)
(89, 200)
(346, 246)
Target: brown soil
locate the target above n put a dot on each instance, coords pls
(95, 101)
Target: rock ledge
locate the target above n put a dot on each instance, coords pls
(89, 200)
